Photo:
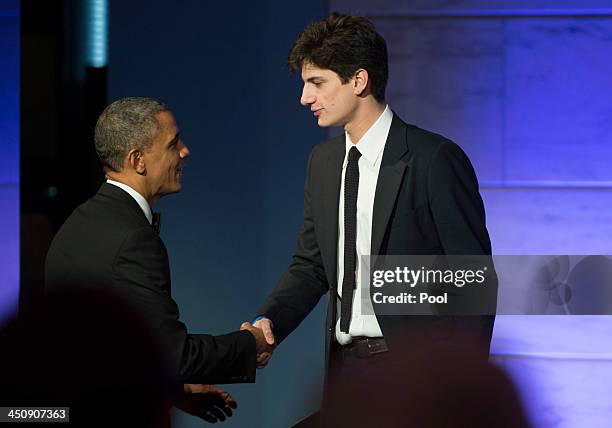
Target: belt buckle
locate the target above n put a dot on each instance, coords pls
(376, 346)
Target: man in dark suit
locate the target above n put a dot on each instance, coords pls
(111, 243)
(382, 188)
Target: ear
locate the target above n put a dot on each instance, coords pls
(135, 161)
(360, 81)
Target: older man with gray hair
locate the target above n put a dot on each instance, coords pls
(111, 243)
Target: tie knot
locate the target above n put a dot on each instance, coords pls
(354, 154)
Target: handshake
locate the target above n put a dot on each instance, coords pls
(264, 339)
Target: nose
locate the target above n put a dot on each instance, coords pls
(307, 97)
(183, 151)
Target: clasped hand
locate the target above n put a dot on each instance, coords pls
(264, 339)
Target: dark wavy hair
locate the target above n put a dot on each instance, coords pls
(343, 44)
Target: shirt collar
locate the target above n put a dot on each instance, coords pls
(142, 202)
(372, 143)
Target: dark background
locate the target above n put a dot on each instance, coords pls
(222, 69)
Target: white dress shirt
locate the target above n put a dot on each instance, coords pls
(371, 146)
(142, 202)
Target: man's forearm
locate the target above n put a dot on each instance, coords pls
(297, 293)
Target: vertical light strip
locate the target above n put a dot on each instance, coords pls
(97, 33)
(9, 158)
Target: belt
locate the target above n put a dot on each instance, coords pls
(365, 347)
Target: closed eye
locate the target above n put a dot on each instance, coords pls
(174, 142)
(317, 81)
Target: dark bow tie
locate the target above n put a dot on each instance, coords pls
(156, 223)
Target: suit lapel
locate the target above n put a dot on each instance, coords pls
(330, 200)
(392, 170)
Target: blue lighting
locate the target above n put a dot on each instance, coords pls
(97, 33)
(9, 157)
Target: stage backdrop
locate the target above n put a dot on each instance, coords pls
(9, 157)
(221, 66)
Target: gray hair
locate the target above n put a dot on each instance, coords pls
(127, 124)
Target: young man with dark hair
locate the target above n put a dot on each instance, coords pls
(383, 187)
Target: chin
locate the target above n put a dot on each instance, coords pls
(174, 189)
(326, 122)
(323, 123)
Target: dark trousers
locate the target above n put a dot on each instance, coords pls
(358, 390)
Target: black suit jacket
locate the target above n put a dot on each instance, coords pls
(426, 202)
(108, 244)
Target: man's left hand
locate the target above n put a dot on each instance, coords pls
(208, 402)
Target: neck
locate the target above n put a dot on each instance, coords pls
(365, 116)
(136, 183)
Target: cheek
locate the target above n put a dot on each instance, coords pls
(339, 100)
(348, 100)
(333, 100)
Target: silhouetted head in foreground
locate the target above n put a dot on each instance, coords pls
(88, 352)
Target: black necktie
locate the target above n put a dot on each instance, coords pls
(351, 185)
(156, 223)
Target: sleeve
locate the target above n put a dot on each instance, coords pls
(142, 276)
(459, 215)
(456, 205)
(300, 288)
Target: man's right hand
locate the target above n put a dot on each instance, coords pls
(264, 339)
(266, 326)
